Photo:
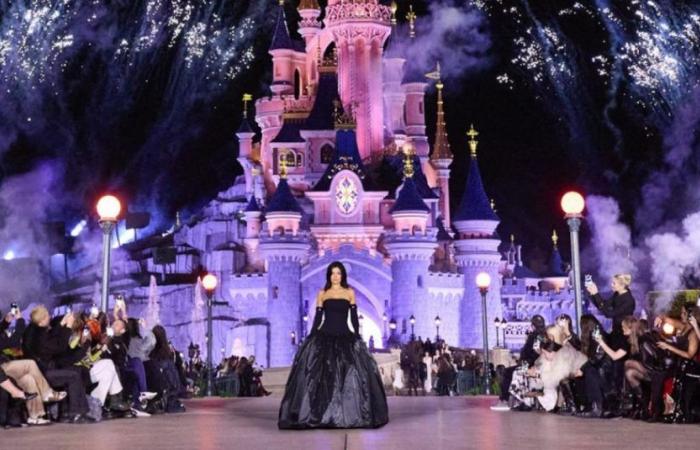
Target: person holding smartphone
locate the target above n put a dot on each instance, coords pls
(620, 305)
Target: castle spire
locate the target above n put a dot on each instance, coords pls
(441, 148)
(475, 203)
(556, 264)
(281, 38)
(394, 7)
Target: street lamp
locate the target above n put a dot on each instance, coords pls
(437, 328)
(209, 283)
(413, 323)
(497, 323)
(361, 319)
(108, 208)
(385, 319)
(293, 336)
(483, 281)
(305, 318)
(573, 204)
(504, 323)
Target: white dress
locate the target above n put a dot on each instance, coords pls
(398, 378)
(428, 361)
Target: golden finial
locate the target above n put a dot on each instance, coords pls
(555, 238)
(246, 98)
(408, 161)
(493, 205)
(472, 133)
(411, 17)
(512, 239)
(394, 8)
(283, 167)
(178, 223)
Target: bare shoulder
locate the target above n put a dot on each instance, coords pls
(351, 295)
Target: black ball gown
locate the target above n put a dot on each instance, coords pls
(334, 381)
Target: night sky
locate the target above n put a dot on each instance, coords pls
(565, 94)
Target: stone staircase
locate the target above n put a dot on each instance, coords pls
(275, 379)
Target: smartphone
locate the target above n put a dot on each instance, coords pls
(86, 332)
(588, 279)
(94, 311)
(110, 332)
(14, 309)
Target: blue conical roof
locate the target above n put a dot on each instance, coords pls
(556, 264)
(345, 157)
(245, 126)
(409, 199)
(522, 271)
(283, 200)
(281, 38)
(475, 204)
(252, 205)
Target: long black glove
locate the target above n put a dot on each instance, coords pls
(317, 321)
(354, 319)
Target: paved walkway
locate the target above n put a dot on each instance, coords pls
(417, 423)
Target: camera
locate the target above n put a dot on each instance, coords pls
(110, 332)
(94, 311)
(596, 333)
(14, 309)
(588, 279)
(86, 332)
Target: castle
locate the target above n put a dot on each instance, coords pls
(341, 169)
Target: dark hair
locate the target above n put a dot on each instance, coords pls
(161, 351)
(343, 275)
(569, 321)
(588, 324)
(132, 328)
(538, 322)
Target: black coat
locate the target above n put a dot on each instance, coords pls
(46, 346)
(616, 308)
(528, 353)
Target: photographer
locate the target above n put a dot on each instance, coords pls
(637, 364)
(598, 368)
(617, 307)
(682, 345)
(44, 344)
(24, 372)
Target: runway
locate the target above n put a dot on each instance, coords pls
(417, 423)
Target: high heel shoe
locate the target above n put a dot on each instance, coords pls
(27, 397)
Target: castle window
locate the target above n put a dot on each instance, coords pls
(327, 154)
(420, 108)
(403, 326)
(297, 84)
(420, 281)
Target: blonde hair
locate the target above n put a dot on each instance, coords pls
(39, 313)
(556, 334)
(624, 278)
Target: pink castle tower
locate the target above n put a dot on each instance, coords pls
(360, 29)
